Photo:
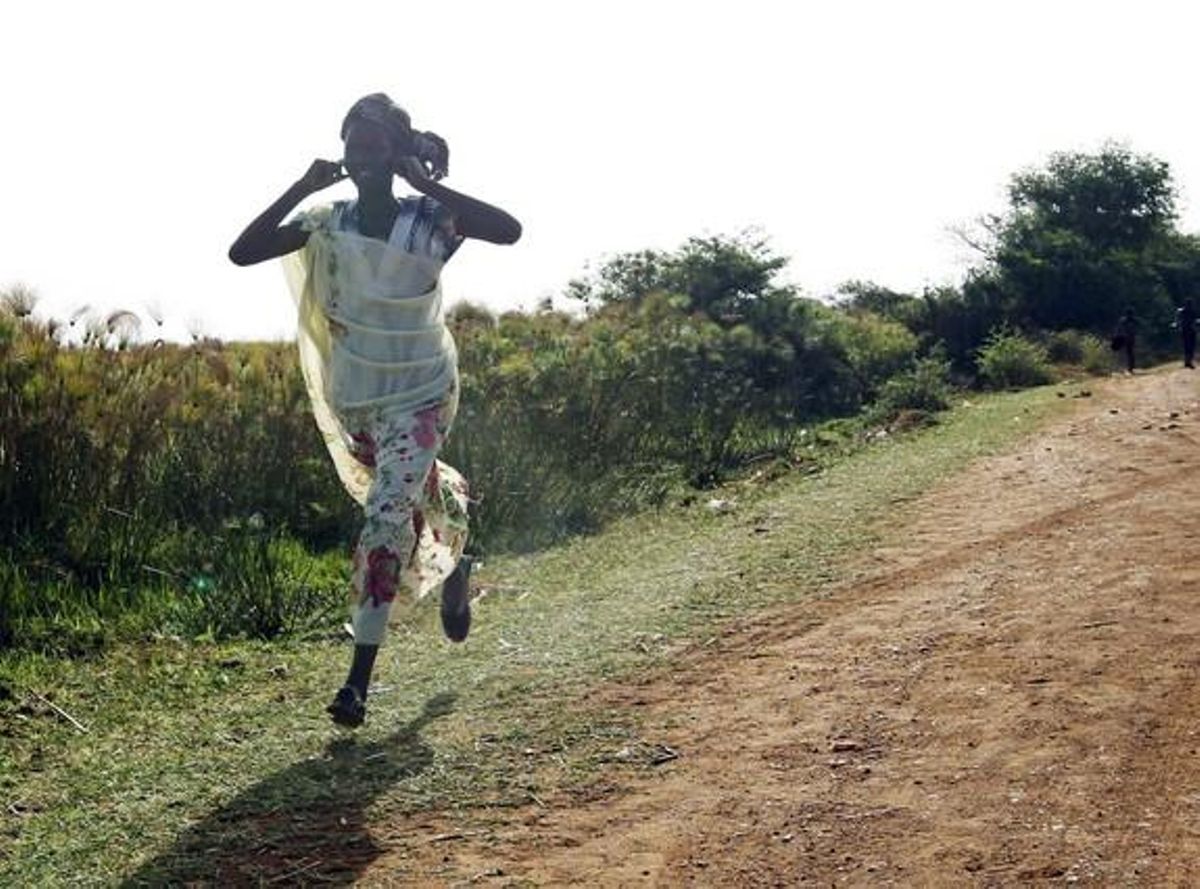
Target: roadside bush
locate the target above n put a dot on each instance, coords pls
(1095, 355)
(876, 349)
(1065, 346)
(1009, 360)
(924, 387)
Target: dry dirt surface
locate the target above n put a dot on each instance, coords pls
(1008, 694)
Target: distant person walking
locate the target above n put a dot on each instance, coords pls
(1185, 323)
(381, 366)
(1125, 338)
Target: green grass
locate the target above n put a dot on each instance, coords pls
(215, 763)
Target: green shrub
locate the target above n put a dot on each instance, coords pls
(1079, 349)
(1009, 360)
(925, 387)
(1065, 346)
(1095, 355)
(875, 348)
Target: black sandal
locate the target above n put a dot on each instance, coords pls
(456, 602)
(348, 708)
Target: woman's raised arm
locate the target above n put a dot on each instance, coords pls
(266, 237)
(472, 217)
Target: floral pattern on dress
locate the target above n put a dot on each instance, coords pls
(363, 448)
(383, 575)
(415, 516)
(425, 433)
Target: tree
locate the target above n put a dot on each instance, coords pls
(1112, 200)
(1086, 236)
(709, 328)
(857, 297)
(721, 276)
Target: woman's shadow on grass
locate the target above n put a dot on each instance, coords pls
(302, 825)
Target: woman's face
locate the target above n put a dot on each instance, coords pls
(370, 155)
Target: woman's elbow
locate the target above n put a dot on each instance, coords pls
(237, 253)
(511, 233)
(241, 255)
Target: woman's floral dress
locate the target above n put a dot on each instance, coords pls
(382, 375)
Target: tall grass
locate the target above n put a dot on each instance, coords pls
(124, 467)
(152, 487)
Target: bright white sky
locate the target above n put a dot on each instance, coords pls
(141, 138)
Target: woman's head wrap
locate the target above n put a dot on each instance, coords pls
(430, 148)
(381, 110)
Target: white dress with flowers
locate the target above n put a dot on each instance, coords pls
(381, 370)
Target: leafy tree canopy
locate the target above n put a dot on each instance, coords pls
(720, 276)
(1111, 200)
(1086, 236)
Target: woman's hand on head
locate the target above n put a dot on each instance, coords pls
(320, 175)
(412, 169)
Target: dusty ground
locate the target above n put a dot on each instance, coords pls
(1009, 693)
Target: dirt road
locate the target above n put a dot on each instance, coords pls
(1009, 693)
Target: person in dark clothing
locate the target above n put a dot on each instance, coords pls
(1185, 323)
(1126, 337)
